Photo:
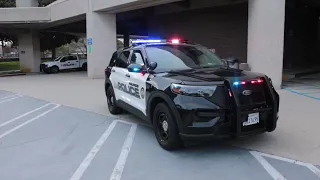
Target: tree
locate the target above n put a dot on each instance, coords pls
(12, 3)
(43, 3)
(7, 3)
(52, 40)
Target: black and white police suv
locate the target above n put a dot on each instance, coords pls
(188, 93)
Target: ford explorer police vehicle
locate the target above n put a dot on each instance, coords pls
(188, 93)
(64, 63)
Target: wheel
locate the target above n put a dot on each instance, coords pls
(111, 99)
(165, 128)
(54, 69)
(84, 67)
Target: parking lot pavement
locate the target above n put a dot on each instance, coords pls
(43, 140)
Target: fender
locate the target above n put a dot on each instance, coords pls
(158, 94)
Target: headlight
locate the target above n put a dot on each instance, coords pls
(188, 90)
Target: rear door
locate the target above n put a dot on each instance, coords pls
(138, 81)
(119, 77)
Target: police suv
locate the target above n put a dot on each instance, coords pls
(64, 63)
(188, 93)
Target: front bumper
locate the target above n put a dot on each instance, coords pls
(202, 119)
(43, 67)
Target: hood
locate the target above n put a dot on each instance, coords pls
(212, 74)
(49, 62)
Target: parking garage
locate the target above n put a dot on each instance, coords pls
(231, 28)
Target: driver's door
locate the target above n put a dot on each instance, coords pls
(138, 81)
(63, 63)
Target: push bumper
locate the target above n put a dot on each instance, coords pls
(198, 123)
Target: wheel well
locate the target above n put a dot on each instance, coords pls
(56, 67)
(153, 105)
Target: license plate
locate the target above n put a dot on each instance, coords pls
(252, 119)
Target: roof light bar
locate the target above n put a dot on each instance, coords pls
(147, 41)
(175, 41)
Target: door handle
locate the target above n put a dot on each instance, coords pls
(113, 70)
(128, 75)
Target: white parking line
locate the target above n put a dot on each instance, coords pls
(270, 169)
(23, 115)
(313, 168)
(6, 97)
(95, 149)
(10, 99)
(27, 122)
(118, 169)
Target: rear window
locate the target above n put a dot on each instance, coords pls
(173, 57)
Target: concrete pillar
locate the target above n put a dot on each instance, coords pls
(101, 31)
(29, 51)
(27, 3)
(126, 40)
(266, 38)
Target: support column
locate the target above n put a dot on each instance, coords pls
(102, 41)
(266, 38)
(29, 52)
(126, 40)
(27, 3)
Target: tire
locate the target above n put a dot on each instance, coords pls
(54, 69)
(167, 134)
(84, 67)
(111, 99)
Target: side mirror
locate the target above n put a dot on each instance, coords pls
(153, 66)
(135, 68)
(233, 62)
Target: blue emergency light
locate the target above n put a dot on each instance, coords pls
(147, 41)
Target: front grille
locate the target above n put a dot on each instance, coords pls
(257, 95)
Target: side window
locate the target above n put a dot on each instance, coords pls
(64, 59)
(71, 58)
(123, 59)
(137, 58)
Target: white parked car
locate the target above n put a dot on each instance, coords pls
(64, 63)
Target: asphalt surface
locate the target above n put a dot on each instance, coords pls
(42, 140)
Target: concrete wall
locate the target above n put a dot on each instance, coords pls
(68, 9)
(115, 6)
(32, 14)
(222, 28)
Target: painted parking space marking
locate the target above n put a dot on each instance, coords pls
(6, 97)
(95, 149)
(118, 169)
(267, 166)
(273, 172)
(11, 98)
(302, 94)
(29, 121)
(25, 114)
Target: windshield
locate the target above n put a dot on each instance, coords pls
(58, 58)
(174, 57)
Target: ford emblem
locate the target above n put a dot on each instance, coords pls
(247, 92)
